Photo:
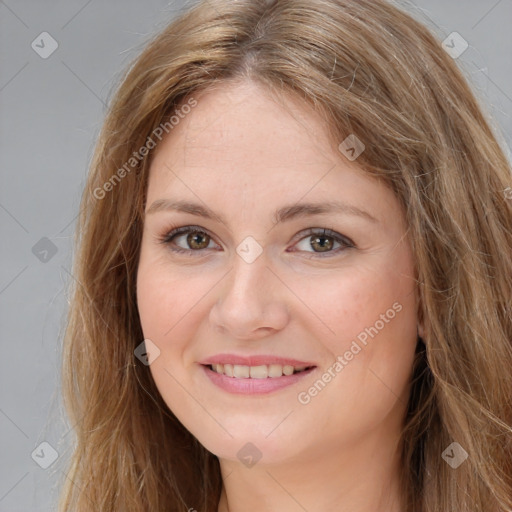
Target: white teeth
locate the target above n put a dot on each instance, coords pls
(287, 370)
(228, 370)
(275, 370)
(238, 371)
(256, 372)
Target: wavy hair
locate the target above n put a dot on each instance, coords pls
(368, 69)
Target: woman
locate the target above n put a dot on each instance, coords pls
(294, 274)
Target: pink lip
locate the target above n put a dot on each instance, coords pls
(256, 360)
(253, 386)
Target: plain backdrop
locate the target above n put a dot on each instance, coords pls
(51, 111)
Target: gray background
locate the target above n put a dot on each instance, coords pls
(51, 112)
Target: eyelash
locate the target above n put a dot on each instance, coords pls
(345, 242)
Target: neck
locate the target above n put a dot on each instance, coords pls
(361, 478)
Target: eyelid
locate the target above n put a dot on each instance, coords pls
(344, 241)
(174, 231)
(331, 232)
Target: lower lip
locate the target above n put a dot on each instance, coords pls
(253, 386)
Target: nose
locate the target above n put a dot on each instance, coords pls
(251, 301)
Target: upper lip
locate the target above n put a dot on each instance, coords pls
(254, 360)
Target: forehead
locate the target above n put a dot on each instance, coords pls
(238, 130)
(241, 145)
(242, 123)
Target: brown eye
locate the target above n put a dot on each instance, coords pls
(198, 240)
(324, 241)
(192, 240)
(187, 240)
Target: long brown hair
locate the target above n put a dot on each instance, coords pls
(370, 70)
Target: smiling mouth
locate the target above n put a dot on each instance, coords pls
(270, 371)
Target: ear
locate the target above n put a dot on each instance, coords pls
(421, 330)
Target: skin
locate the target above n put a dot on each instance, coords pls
(243, 155)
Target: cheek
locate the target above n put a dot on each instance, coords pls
(156, 302)
(154, 299)
(353, 299)
(372, 311)
(164, 292)
(168, 309)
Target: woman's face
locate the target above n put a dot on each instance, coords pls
(261, 295)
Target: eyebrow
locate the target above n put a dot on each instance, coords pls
(286, 213)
